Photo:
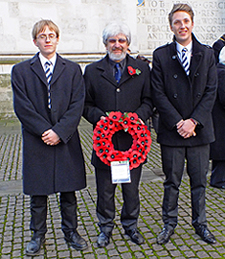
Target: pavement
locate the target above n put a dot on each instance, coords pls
(15, 211)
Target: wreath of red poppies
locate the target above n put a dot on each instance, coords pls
(129, 122)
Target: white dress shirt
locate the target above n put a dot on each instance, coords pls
(188, 53)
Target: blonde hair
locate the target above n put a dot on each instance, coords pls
(41, 25)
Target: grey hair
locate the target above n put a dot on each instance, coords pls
(115, 28)
(222, 56)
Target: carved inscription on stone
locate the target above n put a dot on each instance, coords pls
(153, 25)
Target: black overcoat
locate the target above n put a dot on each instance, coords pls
(103, 94)
(217, 150)
(50, 169)
(178, 96)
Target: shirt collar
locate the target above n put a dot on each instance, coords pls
(122, 63)
(44, 60)
(180, 47)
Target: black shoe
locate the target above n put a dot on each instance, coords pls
(165, 235)
(103, 239)
(135, 236)
(205, 234)
(34, 246)
(76, 241)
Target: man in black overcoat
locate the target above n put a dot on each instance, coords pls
(49, 101)
(184, 84)
(129, 94)
(217, 148)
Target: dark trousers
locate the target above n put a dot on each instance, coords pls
(218, 174)
(68, 204)
(106, 200)
(173, 159)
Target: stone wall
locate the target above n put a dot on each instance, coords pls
(153, 28)
(81, 23)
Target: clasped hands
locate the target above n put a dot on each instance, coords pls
(50, 138)
(186, 128)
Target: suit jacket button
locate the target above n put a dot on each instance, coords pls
(175, 96)
(197, 74)
(118, 90)
(175, 76)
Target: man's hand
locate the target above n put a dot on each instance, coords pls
(50, 138)
(186, 128)
(180, 124)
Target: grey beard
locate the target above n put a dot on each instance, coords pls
(114, 57)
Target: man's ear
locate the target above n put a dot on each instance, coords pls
(35, 42)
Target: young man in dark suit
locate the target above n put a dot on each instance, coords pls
(105, 93)
(184, 86)
(48, 100)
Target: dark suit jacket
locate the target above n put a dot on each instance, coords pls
(49, 169)
(103, 94)
(178, 96)
(218, 113)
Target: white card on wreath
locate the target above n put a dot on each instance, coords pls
(120, 172)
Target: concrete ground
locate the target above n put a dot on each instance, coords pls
(15, 211)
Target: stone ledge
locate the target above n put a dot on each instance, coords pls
(8, 60)
(81, 57)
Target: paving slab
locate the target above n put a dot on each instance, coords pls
(15, 211)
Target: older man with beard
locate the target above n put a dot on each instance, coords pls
(109, 87)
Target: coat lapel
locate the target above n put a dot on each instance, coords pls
(126, 76)
(37, 68)
(59, 67)
(196, 59)
(104, 67)
(174, 56)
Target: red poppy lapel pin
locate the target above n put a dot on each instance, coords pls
(133, 71)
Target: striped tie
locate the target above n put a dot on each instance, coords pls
(184, 60)
(48, 74)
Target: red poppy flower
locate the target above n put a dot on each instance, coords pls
(132, 116)
(115, 116)
(132, 71)
(137, 127)
(102, 143)
(126, 123)
(134, 159)
(111, 124)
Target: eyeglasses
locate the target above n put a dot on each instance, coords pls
(113, 41)
(50, 36)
